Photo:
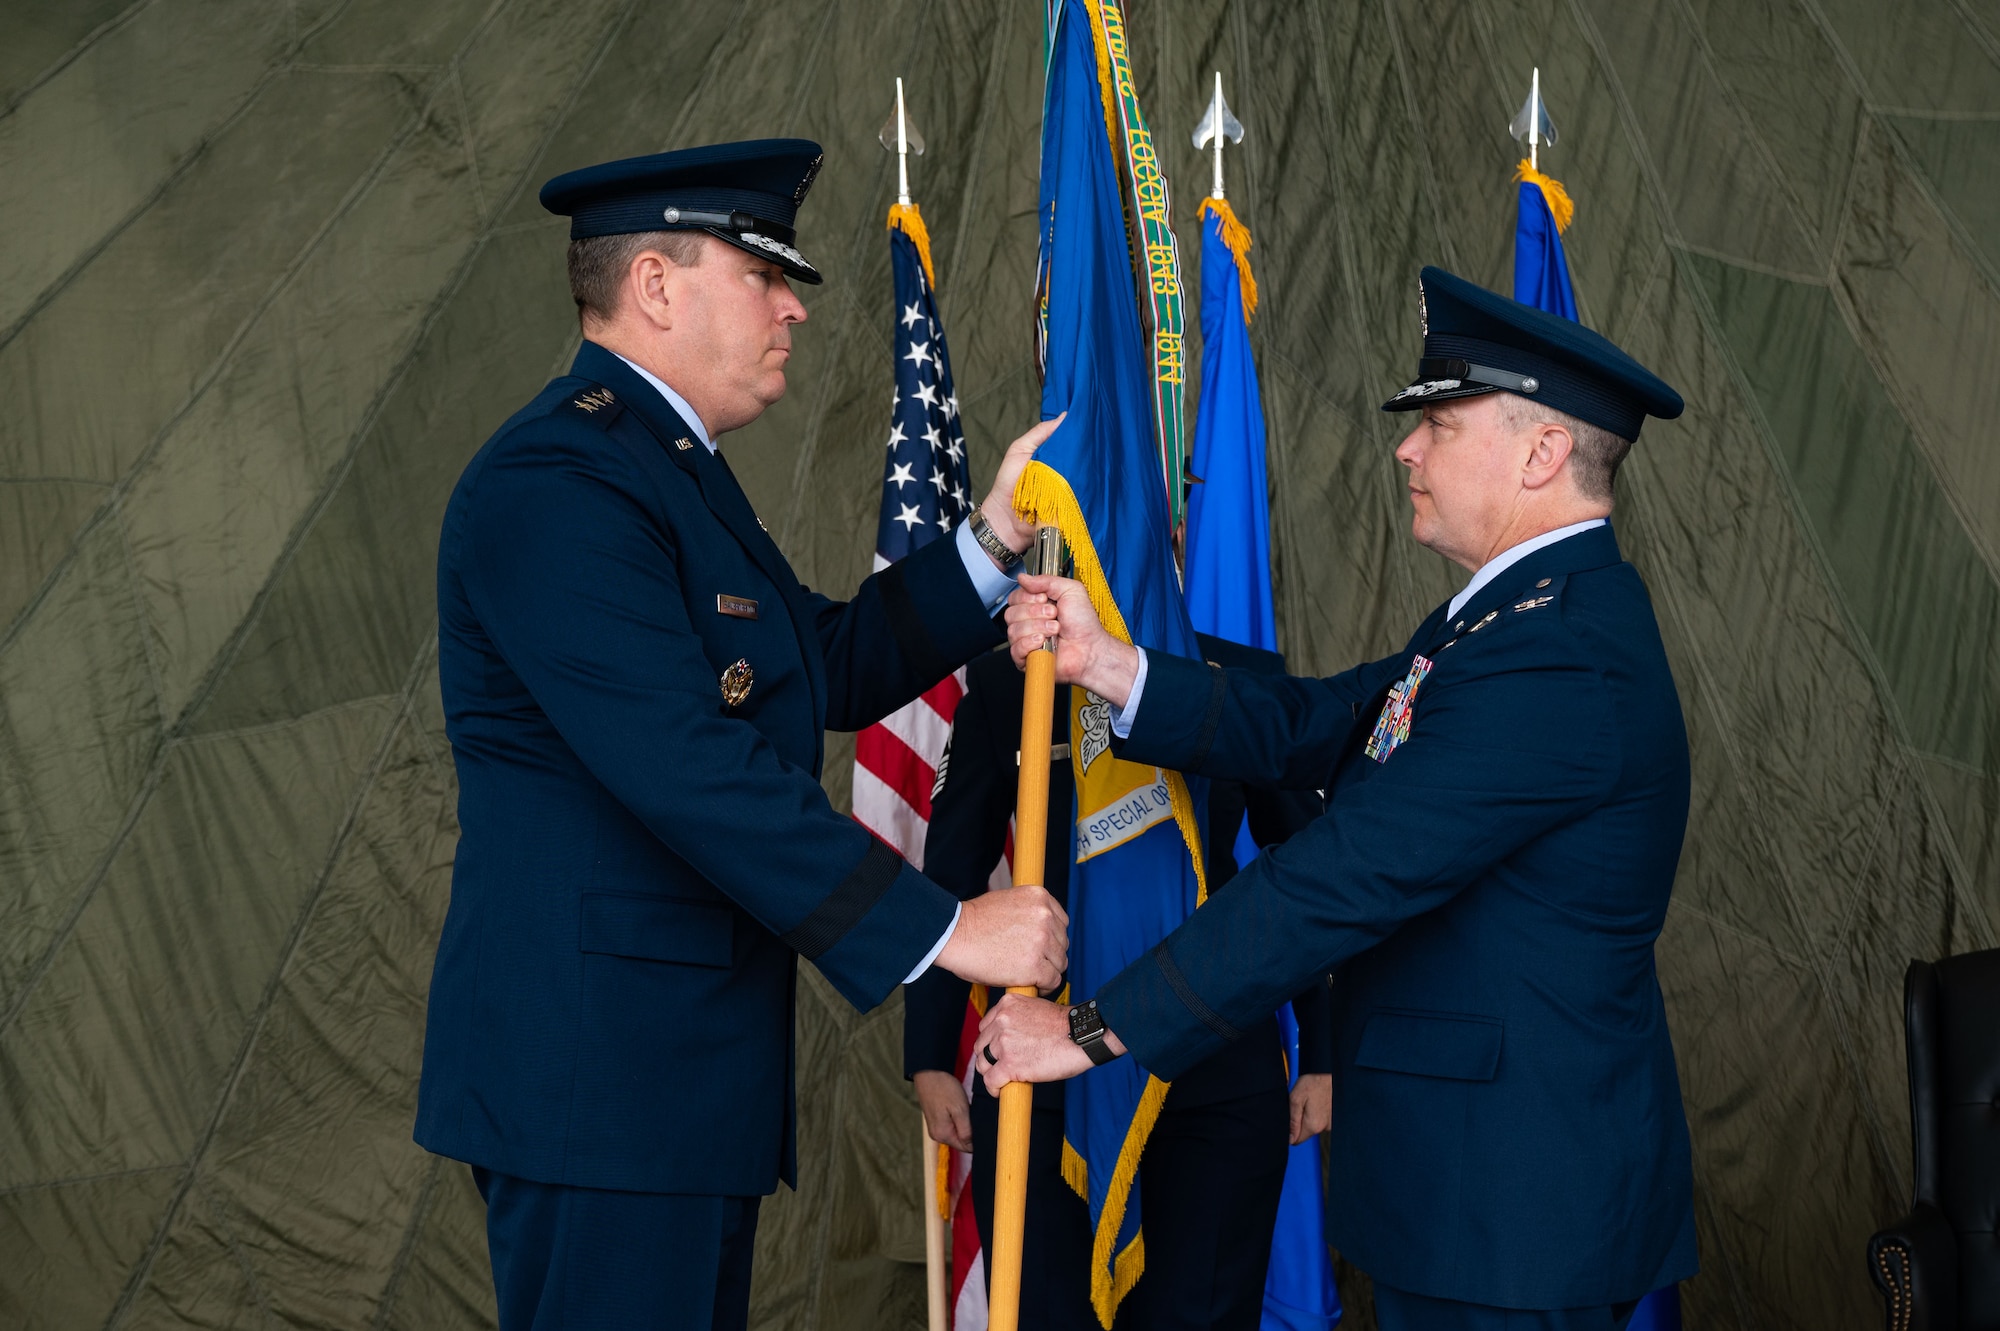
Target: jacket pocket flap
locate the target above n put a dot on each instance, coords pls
(1456, 1045)
(656, 929)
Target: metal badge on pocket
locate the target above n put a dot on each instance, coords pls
(736, 682)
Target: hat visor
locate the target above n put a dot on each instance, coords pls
(766, 247)
(1422, 392)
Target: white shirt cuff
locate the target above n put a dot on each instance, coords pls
(1121, 717)
(991, 584)
(957, 911)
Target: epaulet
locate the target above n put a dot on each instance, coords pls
(594, 403)
(1545, 595)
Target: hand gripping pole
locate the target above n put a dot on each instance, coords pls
(1031, 824)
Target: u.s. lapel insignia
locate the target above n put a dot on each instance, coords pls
(1533, 603)
(594, 401)
(1398, 710)
(683, 443)
(736, 682)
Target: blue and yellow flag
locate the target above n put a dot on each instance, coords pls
(1541, 279)
(1229, 596)
(1541, 272)
(1099, 479)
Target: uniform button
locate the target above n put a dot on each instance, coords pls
(1543, 583)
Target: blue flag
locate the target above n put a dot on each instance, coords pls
(1229, 596)
(1541, 273)
(1541, 279)
(1098, 478)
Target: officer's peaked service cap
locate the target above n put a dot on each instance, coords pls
(745, 193)
(1478, 342)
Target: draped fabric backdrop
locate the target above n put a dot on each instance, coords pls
(269, 273)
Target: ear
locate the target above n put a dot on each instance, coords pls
(1549, 447)
(647, 284)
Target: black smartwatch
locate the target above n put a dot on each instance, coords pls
(1086, 1027)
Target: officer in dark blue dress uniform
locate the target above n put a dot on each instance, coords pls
(1506, 798)
(1214, 1163)
(636, 689)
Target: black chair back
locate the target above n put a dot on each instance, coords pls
(1952, 1021)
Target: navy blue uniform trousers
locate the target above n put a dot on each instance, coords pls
(589, 1259)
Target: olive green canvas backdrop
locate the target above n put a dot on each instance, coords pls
(270, 272)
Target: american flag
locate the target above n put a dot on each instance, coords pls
(926, 493)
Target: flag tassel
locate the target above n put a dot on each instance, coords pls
(904, 217)
(1561, 207)
(1237, 237)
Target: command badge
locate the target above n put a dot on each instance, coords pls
(736, 682)
(1393, 726)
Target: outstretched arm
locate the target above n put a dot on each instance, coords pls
(1247, 725)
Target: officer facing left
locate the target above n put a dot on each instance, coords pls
(636, 689)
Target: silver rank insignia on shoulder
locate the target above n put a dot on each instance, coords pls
(683, 443)
(1533, 603)
(736, 682)
(596, 400)
(1491, 615)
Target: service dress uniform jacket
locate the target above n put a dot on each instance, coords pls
(636, 688)
(1506, 799)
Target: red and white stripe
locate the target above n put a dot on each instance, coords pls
(895, 767)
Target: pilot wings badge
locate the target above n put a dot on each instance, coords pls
(1398, 710)
(1095, 721)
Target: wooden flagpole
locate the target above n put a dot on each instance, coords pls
(934, 1235)
(1017, 1099)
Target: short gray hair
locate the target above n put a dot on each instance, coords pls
(598, 264)
(1596, 454)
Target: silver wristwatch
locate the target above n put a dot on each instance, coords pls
(989, 541)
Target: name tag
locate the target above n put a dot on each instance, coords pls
(736, 607)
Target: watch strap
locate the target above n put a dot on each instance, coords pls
(989, 541)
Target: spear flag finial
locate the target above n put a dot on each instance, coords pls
(1217, 124)
(900, 137)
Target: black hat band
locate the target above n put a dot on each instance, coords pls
(737, 221)
(1449, 367)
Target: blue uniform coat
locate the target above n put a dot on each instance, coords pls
(642, 862)
(1507, 1123)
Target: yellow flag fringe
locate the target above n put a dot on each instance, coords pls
(1104, 74)
(1237, 237)
(1111, 1281)
(1560, 206)
(904, 216)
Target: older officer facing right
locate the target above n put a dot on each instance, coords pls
(1506, 798)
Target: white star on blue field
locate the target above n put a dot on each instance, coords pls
(926, 484)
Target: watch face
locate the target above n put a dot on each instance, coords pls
(1084, 1021)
